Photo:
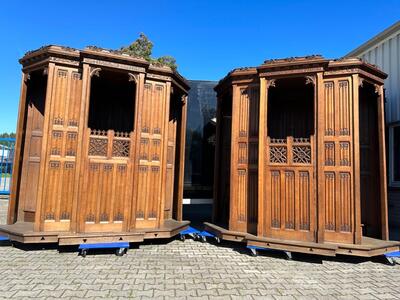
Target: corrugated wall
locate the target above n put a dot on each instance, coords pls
(386, 55)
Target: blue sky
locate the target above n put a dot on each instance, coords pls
(208, 38)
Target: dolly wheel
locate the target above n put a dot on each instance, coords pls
(203, 239)
(120, 252)
(288, 255)
(253, 252)
(390, 261)
(83, 252)
(218, 240)
(183, 238)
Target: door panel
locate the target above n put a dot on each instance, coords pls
(336, 179)
(290, 206)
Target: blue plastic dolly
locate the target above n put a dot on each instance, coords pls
(205, 234)
(254, 249)
(193, 232)
(121, 247)
(391, 257)
(4, 239)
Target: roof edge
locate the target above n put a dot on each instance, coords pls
(375, 40)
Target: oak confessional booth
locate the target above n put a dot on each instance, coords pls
(300, 157)
(99, 151)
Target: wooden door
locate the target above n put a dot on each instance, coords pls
(62, 144)
(153, 110)
(289, 204)
(336, 176)
(244, 159)
(105, 195)
(32, 157)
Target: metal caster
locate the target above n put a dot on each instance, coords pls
(253, 252)
(218, 240)
(182, 237)
(120, 252)
(391, 261)
(288, 255)
(203, 239)
(83, 252)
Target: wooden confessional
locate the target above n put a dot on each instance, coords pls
(100, 145)
(300, 157)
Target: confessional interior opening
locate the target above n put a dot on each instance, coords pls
(291, 109)
(369, 161)
(224, 162)
(175, 119)
(112, 102)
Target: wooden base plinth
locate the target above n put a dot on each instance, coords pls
(369, 247)
(23, 232)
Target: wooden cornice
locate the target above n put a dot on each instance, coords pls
(103, 58)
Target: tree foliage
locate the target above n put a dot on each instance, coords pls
(143, 48)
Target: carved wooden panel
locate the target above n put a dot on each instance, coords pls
(275, 188)
(330, 201)
(150, 177)
(304, 199)
(344, 107)
(242, 196)
(290, 204)
(329, 154)
(106, 189)
(337, 182)
(289, 200)
(245, 134)
(329, 101)
(59, 181)
(32, 157)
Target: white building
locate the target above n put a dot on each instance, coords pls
(383, 50)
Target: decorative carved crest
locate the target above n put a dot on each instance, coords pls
(271, 83)
(133, 77)
(95, 72)
(310, 79)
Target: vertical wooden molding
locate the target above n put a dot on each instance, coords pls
(261, 153)
(181, 159)
(164, 150)
(38, 226)
(356, 160)
(382, 164)
(233, 186)
(135, 167)
(80, 158)
(320, 207)
(17, 160)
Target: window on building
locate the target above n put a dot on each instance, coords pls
(394, 135)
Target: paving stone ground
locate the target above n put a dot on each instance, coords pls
(174, 270)
(191, 270)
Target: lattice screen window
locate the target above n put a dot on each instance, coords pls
(98, 147)
(302, 154)
(120, 148)
(278, 154)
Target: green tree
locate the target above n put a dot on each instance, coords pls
(143, 48)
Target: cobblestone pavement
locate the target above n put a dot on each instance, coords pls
(192, 269)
